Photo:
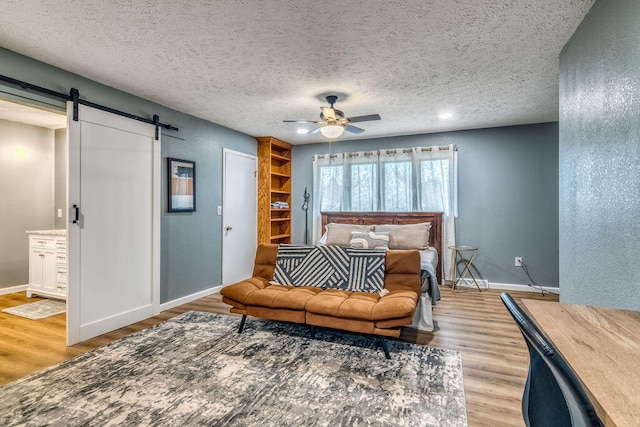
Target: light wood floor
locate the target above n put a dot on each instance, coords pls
(494, 356)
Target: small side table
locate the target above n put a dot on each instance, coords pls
(457, 253)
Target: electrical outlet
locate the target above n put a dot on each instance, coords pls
(518, 261)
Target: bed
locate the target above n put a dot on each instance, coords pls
(431, 258)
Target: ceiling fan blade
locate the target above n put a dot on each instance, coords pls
(353, 129)
(367, 118)
(316, 130)
(301, 121)
(328, 113)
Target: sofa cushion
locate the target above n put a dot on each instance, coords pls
(278, 296)
(240, 291)
(362, 305)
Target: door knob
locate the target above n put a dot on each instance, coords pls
(227, 228)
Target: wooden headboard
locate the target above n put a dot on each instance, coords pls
(371, 218)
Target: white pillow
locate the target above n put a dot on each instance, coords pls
(407, 236)
(340, 234)
(369, 240)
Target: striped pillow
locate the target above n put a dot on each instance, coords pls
(369, 240)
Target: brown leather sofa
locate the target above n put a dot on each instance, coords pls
(362, 312)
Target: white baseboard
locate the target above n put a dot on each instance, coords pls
(485, 284)
(523, 288)
(12, 289)
(183, 300)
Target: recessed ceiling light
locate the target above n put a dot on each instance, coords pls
(445, 115)
(301, 131)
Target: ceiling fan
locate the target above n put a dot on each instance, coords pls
(333, 122)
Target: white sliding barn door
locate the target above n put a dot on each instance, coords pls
(114, 248)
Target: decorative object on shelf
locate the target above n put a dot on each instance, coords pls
(305, 208)
(333, 122)
(182, 185)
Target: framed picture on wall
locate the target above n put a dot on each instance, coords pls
(182, 185)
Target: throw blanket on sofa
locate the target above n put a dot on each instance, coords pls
(333, 267)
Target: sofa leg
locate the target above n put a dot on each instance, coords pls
(244, 317)
(383, 342)
(312, 329)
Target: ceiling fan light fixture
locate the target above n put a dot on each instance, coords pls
(332, 131)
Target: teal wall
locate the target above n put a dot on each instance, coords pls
(600, 157)
(508, 194)
(191, 242)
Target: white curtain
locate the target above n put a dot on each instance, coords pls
(401, 179)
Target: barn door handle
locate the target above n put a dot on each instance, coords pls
(77, 214)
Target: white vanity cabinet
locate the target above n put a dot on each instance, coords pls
(48, 263)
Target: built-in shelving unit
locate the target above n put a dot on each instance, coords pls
(274, 185)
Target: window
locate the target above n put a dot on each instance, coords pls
(396, 180)
(364, 187)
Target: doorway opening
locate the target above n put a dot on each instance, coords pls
(33, 227)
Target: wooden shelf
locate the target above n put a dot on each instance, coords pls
(274, 185)
(280, 236)
(279, 157)
(281, 175)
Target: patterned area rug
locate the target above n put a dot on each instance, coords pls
(196, 369)
(38, 310)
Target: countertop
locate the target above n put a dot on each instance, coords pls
(48, 232)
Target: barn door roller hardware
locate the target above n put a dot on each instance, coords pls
(74, 96)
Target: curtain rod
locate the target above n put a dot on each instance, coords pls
(74, 96)
(388, 151)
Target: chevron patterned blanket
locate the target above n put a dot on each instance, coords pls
(331, 267)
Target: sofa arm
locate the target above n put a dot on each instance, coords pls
(240, 291)
(402, 271)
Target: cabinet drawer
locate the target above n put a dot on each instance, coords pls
(61, 258)
(42, 242)
(62, 279)
(61, 244)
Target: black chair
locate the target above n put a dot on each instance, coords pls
(553, 394)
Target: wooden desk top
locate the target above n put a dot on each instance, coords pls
(602, 345)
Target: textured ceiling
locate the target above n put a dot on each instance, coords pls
(249, 64)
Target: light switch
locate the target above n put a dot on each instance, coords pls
(59, 213)
(219, 210)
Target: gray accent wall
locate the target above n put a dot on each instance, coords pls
(191, 243)
(508, 195)
(27, 187)
(600, 157)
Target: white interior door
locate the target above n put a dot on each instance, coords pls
(114, 264)
(239, 216)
